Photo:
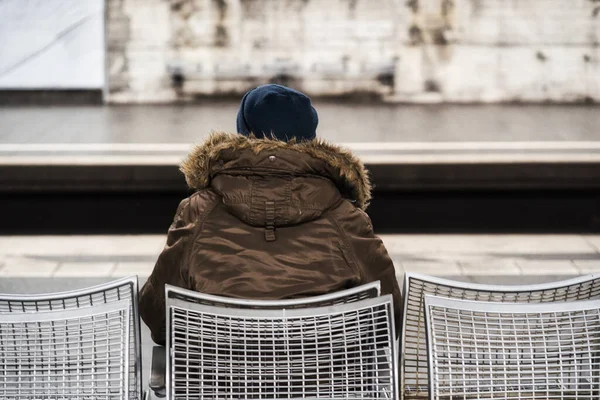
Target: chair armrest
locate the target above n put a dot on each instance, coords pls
(157, 374)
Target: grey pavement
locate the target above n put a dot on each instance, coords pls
(339, 122)
(466, 257)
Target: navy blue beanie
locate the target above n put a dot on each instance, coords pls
(277, 111)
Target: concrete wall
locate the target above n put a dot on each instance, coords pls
(502, 50)
(403, 50)
(52, 44)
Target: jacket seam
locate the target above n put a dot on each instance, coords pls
(201, 218)
(180, 212)
(298, 204)
(288, 197)
(347, 248)
(366, 218)
(188, 208)
(252, 206)
(198, 226)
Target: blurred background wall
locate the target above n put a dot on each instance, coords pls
(399, 50)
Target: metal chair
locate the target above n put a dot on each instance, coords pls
(157, 376)
(88, 298)
(414, 370)
(483, 350)
(335, 351)
(81, 353)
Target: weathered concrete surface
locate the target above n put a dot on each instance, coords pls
(469, 256)
(340, 123)
(484, 50)
(409, 51)
(138, 33)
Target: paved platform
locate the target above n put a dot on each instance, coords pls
(340, 122)
(469, 257)
(170, 154)
(406, 147)
(394, 166)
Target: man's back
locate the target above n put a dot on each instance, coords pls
(269, 220)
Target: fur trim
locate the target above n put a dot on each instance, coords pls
(351, 171)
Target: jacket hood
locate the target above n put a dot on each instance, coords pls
(222, 152)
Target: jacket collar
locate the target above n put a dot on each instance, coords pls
(315, 157)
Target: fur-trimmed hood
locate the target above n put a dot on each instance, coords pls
(222, 152)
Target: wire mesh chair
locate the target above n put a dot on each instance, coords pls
(483, 350)
(81, 353)
(158, 377)
(414, 369)
(110, 292)
(337, 351)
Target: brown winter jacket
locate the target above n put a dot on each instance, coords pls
(269, 220)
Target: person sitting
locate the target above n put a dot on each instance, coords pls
(277, 213)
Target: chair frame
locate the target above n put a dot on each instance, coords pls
(35, 299)
(366, 291)
(482, 307)
(460, 288)
(302, 310)
(82, 312)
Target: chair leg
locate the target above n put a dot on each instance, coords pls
(157, 375)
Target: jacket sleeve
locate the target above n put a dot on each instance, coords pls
(370, 255)
(170, 268)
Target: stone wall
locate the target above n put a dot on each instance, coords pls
(402, 50)
(501, 50)
(138, 36)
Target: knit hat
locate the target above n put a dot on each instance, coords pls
(275, 111)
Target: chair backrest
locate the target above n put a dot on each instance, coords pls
(67, 354)
(342, 350)
(366, 291)
(414, 381)
(110, 292)
(483, 350)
